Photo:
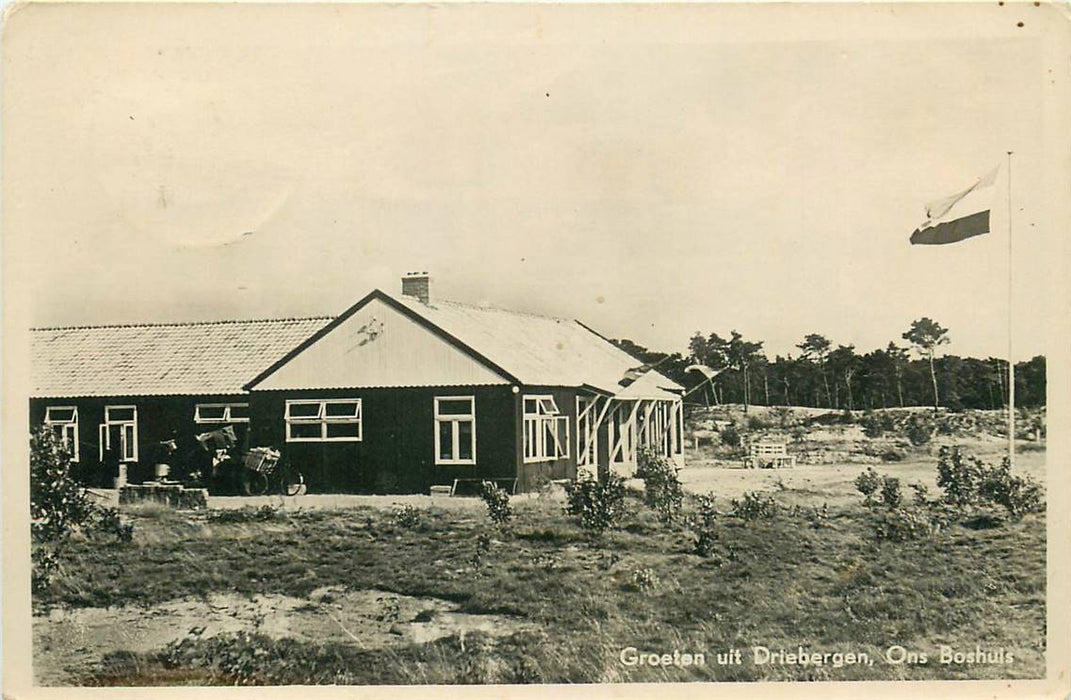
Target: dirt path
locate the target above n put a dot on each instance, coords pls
(67, 643)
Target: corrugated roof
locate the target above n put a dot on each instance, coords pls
(541, 350)
(160, 359)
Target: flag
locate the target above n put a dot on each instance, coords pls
(704, 370)
(958, 217)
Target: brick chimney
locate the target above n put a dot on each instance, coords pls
(417, 285)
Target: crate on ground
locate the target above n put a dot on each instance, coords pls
(768, 454)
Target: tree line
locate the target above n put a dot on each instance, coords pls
(827, 375)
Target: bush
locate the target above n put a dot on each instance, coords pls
(877, 424)
(108, 521)
(704, 526)
(662, 490)
(730, 436)
(597, 505)
(868, 483)
(58, 503)
(644, 580)
(755, 423)
(921, 494)
(968, 481)
(919, 430)
(959, 476)
(903, 525)
(755, 506)
(407, 516)
(497, 500)
(59, 506)
(891, 495)
(1019, 495)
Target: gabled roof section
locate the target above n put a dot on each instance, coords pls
(539, 350)
(527, 349)
(200, 358)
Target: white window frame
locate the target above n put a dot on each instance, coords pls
(127, 452)
(586, 410)
(227, 418)
(536, 425)
(455, 419)
(323, 420)
(66, 430)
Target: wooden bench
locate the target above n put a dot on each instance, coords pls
(768, 455)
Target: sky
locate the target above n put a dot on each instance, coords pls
(653, 172)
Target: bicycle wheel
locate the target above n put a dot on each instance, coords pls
(291, 481)
(254, 483)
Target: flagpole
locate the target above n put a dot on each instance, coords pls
(1011, 359)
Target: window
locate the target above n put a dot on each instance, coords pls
(546, 430)
(455, 430)
(63, 421)
(221, 413)
(119, 432)
(315, 420)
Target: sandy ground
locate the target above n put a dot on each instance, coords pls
(827, 483)
(69, 642)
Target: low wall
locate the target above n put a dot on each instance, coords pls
(173, 495)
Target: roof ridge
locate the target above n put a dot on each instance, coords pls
(175, 324)
(492, 307)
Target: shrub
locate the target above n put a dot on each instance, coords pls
(58, 503)
(755, 506)
(968, 481)
(497, 500)
(919, 430)
(901, 525)
(597, 505)
(921, 494)
(108, 521)
(59, 506)
(662, 490)
(483, 548)
(891, 495)
(892, 455)
(644, 580)
(407, 516)
(703, 526)
(730, 436)
(868, 483)
(877, 424)
(755, 423)
(959, 475)
(1019, 495)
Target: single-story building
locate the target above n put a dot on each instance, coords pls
(396, 394)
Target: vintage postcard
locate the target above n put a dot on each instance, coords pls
(491, 349)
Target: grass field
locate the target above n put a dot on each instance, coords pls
(356, 595)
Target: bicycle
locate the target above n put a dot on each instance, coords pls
(265, 471)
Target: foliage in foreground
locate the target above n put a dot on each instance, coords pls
(496, 499)
(596, 504)
(61, 507)
(662, 490)
(584, 598)
(970, 488)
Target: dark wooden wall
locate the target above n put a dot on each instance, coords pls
(158, 416)
(397, 452)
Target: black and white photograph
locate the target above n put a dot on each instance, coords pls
(502, 345)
